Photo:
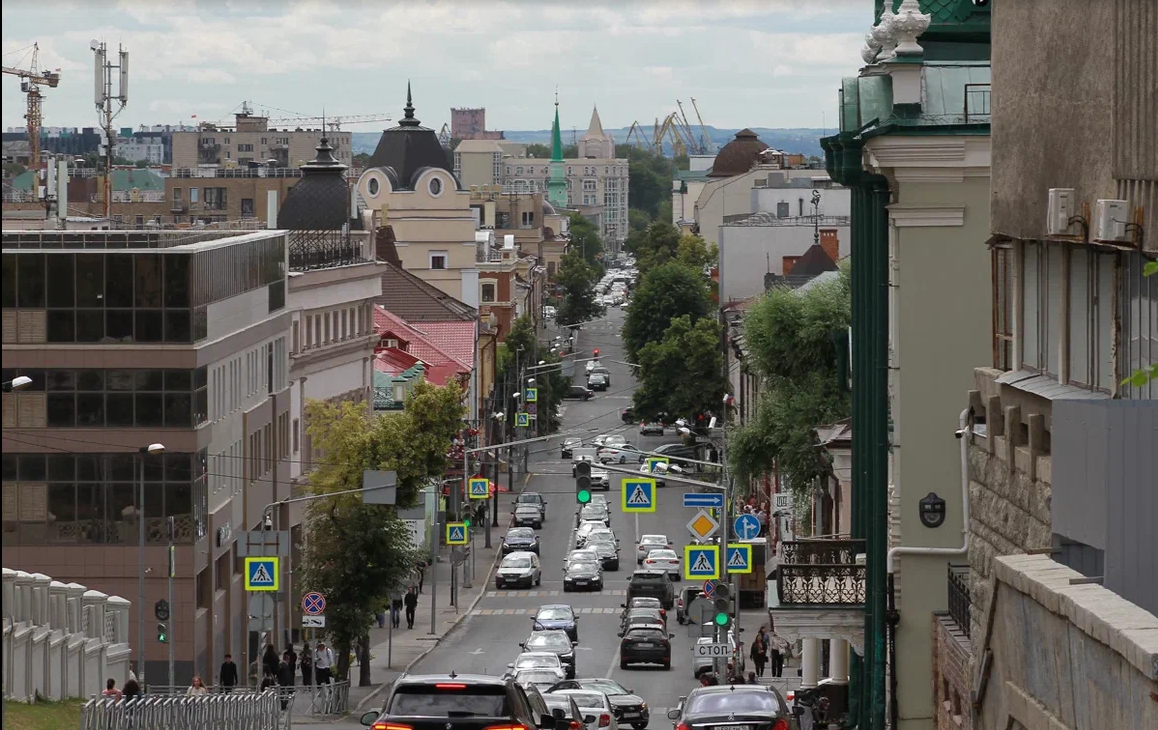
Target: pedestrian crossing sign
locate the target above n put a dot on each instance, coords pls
(457, 533)
(652, 461)
(261, 574)
(532, 395)
(480, 488)
(701, 562)
(739, 559)
(638, 495)
(523, 420)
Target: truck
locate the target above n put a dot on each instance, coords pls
(753, 586)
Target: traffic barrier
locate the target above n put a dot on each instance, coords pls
(237, 711)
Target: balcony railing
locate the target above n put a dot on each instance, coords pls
(821, 572)
(326, 249)
(959, 600)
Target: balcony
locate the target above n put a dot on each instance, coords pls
(959, 601)
(819, 591)
(309, 250)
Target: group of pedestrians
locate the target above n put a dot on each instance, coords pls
(768, 650)
(407, 601)
(316, 666)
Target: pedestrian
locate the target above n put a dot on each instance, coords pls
(713, 680)
(285, 679)
(293, 658)
(706, 679)
(269, 660)
(752, 678)
(307, 664)
(197, 689)
(381, 616)
(227, 676)
(759, 655)
(131, 690)
(411, 602)
(268, 681)
(776, 651)
(323, 662)
(421, 575)
(111, 689)
(396, 610)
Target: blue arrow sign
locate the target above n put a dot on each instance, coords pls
(705, 499)
(747, 527)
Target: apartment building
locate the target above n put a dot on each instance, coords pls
(216, 194)
(134, 338)
(251, 140)
(479, 162)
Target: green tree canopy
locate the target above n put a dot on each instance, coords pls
(521, 341)
(668, 291)
(585, 240)
(683, 373)
(577, 281)
(637, 220)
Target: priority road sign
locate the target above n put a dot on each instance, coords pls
(701, 561)
(522, 420)
(457, 533)
(638, 495)
(532, 395)
(313, 604)
(739, 558)
(704, 499)
(261, 574)
(480, 488)
(703, 525)
(747, 527)
(653, 460)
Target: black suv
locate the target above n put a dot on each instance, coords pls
(652, 583)
(579, 392)
(466, 701)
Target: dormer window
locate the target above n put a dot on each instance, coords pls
(390, 342)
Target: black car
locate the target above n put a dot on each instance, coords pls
(583, 576)
(629, 708)
(579, 392)
(627, 415)
(607, 550)
(645, 645)
(753, 706)
(520, 539)
(652, 583)
(633, 616)
(466, 701)
(556, 642)
(557, 616)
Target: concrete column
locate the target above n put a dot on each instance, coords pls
(58, 605)
(40, 584)
(838, 661)
(119, 607)
(9, 590)
(810, 663)
(94, 605)
(75, 607)
(22, 595)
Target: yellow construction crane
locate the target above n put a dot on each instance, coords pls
(641, 140)
(31, 79)
(693, 145)
(708, 147)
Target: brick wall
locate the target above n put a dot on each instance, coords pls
(951, 672)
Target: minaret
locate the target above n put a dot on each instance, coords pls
(557, 185)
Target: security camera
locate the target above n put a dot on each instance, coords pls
(960, 433)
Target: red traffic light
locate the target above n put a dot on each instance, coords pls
(596, 352)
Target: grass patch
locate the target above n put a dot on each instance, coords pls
(42, 715)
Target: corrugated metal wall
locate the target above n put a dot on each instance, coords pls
(1135, 129)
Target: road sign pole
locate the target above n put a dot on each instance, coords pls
(467, 573)
(171, 569)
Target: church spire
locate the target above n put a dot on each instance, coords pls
(557, 182)
(556, 138)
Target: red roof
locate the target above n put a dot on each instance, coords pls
(456, 339)
(393, 361)
(429, 348)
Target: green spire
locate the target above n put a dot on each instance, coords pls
(556, 138)
(557, 183)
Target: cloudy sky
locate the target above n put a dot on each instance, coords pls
(771, 63)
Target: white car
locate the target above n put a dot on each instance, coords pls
(592, 364)
(593, 705)
(586, 528)
(540, 679)
(647, 543)
(583, 555)
(599, 478)
(598, 499)
(538, 661)
(663, 560)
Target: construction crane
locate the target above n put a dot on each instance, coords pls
(444, 135)
(641, 140)
(685, 127)
(31, 79)
(332, 122)
(709, 148)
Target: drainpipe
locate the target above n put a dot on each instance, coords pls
(965, 431)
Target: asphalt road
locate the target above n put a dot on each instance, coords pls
(488, 639)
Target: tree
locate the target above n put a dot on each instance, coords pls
(791, 343)
(585, 240)
(668, 291)
(358, 554)
(683, 373)
(577, 280)
(538, 151)
(637, 220)
(521, 340)
(658, 245)
(693, 251)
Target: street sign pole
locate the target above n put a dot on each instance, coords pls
(172, 569)
(467, 573)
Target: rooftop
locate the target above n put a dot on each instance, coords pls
(415, 300)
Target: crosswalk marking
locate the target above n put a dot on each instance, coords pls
(547, 594)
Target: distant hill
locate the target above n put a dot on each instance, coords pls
(802, 141)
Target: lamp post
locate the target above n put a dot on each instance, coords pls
(144, 451)
(17, 383)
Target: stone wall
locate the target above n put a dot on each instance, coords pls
(1064, 654)
(951, 656)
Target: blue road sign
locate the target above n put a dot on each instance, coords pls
(313, 604)
(638, 495)
(747, 527)
(457, 533)
(738, 559)
(703, 499)
(532, 395)
(480, 488)
(701, 561)
(261, 574)
(709, 589)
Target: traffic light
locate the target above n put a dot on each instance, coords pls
(162, 633)
(723, 617)
(583, 482)
(596, 352)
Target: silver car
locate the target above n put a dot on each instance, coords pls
(596, 708)
(519, 569)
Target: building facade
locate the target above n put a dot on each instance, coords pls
(251, 140)
(478, 163)
(471, 124)
(132, 339)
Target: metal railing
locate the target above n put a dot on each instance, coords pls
(250, 711)
(821, 572)
(310, 250)
(960, 601)
(305, 699)
(977, 103)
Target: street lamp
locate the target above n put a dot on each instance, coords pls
(530, 381)
(144, 451)
(20, 381)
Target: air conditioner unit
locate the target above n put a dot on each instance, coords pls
(1061, 209)
(1110, 219)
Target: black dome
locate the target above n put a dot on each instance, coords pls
(409, 148)
(320, 201)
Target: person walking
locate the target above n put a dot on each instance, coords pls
(227, 676)
(285, 678)
(132, 689)
(411, 602)
(759, 655)
(396, 610)
(776, 651)
(421, 567)
(323, 662)
(307, 664)
(111, 690)
(269, 660)
(268, 681)
(197, 689)
(293, 658)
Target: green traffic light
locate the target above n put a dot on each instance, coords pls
(466, 521)
(721, 619)
(584, 496)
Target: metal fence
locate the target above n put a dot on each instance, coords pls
(821, 572)
(305, 700)
(959, 600)
(248, 711)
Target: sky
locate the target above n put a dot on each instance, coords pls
(766, 63)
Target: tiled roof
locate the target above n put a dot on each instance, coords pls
(456, 339)
(415, 300)
(421, 346)
(393, 361)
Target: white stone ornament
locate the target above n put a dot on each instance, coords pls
(908, 25)
(870, 49)
(884, 33)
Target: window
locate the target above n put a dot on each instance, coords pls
(438, 259)
(1002, 307)
(782, 210)
(296, 427)
(488, 292)
(194, 195)
(177, 196)
(247, 207)
(295, 339)
(435, 186)
(528, 218)
(589, 185)
(244, 147)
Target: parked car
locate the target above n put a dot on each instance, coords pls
(645, 644)
(579, 392)
(629, 707)
(653, 583)
(466, 701)
(568, 445)
(647, 543)
(519, 569)
(650, 428)
(520, 539)
(744, 705)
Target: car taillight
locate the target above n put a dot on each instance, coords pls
(604, 720)
(664, 613)
(448, 685)
(389, 726)
(781, 724)
(575, 725)
(649, 561)
(683, 726)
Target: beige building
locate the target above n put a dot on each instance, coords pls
(251, 140)
(478, 162)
